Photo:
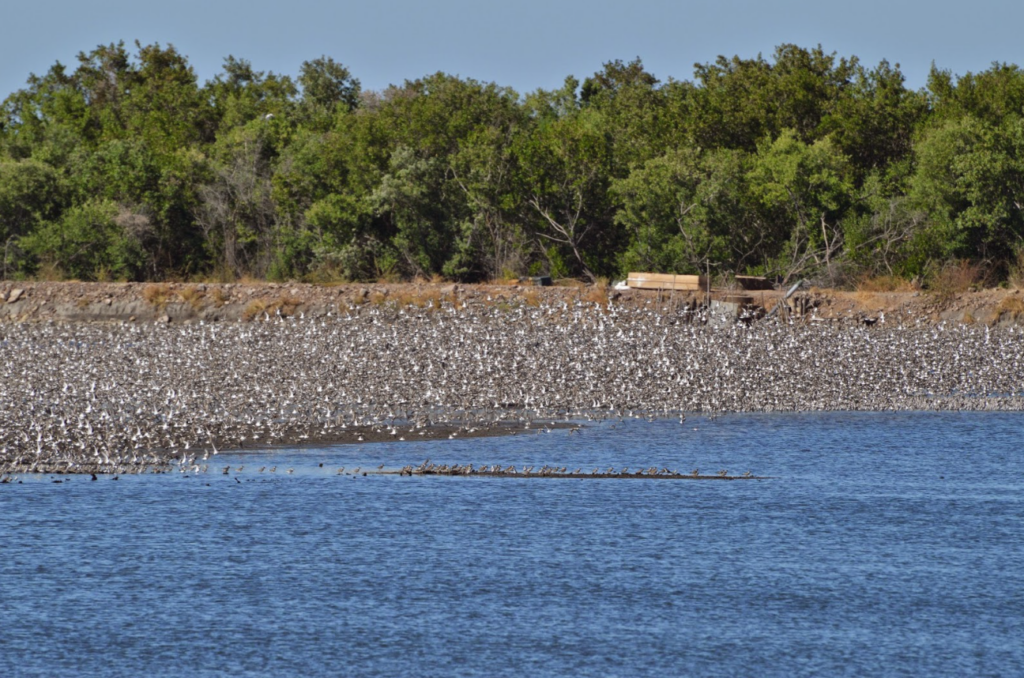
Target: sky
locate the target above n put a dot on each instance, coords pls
(523, 44)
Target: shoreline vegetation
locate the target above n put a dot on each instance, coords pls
(164, 393)
(800, 165)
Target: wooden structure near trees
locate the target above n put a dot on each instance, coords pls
(667, 281)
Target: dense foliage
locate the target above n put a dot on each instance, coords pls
(804, 164)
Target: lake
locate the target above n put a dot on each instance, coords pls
(886, 544)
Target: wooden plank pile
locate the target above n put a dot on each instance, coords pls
(666, 281)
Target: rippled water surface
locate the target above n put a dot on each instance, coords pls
(884, 544)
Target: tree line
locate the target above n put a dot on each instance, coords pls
(802, 164)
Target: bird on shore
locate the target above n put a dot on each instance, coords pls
(171, 396)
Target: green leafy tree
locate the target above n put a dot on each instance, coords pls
(92, 241)
(884, 234)
(970, 180)
(327, 88)
(805, 191)
(874, 124)
(323, 213)
(565, 174)
(491, 241)
(990, 96)
(802, 163)
(423, 235)
(162, 103)
(738, 102)
(421, 145)
(632, 111)
(241, 94)
(236, 210)
(30, 195)
(678, 210)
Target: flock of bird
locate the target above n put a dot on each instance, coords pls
(429, 469)
(121, 398)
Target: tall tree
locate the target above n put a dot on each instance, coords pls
(565, 174)
(805, 189)
(679, 210)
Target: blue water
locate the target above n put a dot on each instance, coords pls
(885, 544)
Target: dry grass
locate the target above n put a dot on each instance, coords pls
(221, 274)
(531, 296)
(49, 272)
(428, 298)
(327, 275)
(287, 304)
(956, 278)
(597, 293)
(284, 305)
(254, 308)
(1011, 305)
(435, 279)
(1015, 278)
(157, 295)
(404, 299)
(378, 298)
(192, 296)
(887, 283)
(219, 296)
(82, 302)
(868, 299)
(450, 295)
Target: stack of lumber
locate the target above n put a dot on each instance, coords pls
(666, 281)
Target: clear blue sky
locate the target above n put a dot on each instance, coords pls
(525, 44)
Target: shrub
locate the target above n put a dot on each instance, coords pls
(956, 277)
(219, 296)
(192, 296)
(1011, 305)
(1016, 270)
(284, 305)
(158, 295)
(88, 239)
(598, 292)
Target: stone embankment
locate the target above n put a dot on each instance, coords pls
(213, 302)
